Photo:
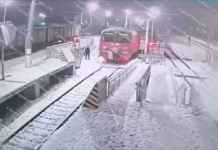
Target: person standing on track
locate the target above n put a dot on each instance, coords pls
(87, 52)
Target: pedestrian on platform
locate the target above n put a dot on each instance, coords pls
(87, 52)
(189, 39)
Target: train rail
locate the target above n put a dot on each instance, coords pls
(205, 47)
(34, 134)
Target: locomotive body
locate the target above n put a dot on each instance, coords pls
(123, 43)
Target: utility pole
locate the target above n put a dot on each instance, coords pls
(81, 20)
(3, 47)
(208, 49)
(28, 44)
(107, 22)
(146, 35)
(152, 31)
(126, 21)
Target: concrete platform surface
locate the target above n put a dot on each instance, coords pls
(18, 76)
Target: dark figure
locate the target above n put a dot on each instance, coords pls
(189, 39)
(87, 52)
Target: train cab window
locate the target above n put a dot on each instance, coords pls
(108, 37)
(124, 37)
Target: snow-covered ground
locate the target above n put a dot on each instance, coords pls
(213, 44)
(155, 124)
(184, 50)
(20, 60)
(123, 123)
(204, 92)
(87, 67)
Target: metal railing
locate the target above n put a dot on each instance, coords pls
(182, 92)
(55, 50)
(142, 85)
(152, 58)
(116, 81)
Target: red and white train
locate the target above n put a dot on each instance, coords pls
(124, 44)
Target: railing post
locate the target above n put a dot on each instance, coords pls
(137, 92)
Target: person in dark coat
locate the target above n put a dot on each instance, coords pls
(87, 52)
(189, 39)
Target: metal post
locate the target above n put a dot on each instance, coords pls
(152, 32)
(146, 36)
(126, 21)
(28, 48)
(130, 24)
(3, 46)
(208, 49)
(107, 21)
(81, 21)
(79, 47)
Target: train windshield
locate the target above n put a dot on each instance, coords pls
(109, 37)
(124, 37)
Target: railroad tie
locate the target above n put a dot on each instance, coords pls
(63, 58)
(92, 100)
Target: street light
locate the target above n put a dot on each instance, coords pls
(153, 12)
(92, 6)
(6, 3)
(42, 15)
(108, 14)
(128, 12)
(139, 21)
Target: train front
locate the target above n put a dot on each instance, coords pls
(116, 45)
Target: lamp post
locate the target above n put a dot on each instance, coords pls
(81, 20)
(153, 12)
(28, 44)
(90, 7)
(108, 14)
(128, 12)
(146, 34)
(3, 45)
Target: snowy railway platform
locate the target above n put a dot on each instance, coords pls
(28, 80)
(119, 121)
(122, 123)
(202, 78)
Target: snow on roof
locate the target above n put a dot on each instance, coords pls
(112, 29)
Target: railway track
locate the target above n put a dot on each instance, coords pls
(204, 47)
(34, 134)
